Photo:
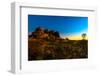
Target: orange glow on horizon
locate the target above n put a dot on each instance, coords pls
(76, 38)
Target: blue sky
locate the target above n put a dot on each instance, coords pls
(65, 25)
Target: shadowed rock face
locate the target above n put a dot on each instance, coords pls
(44, 44)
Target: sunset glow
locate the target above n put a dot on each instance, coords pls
(67, 26)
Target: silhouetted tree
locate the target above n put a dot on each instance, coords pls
(84, 36)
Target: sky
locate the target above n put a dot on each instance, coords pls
(68, 26)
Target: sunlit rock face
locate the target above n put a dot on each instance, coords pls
(41, 33)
